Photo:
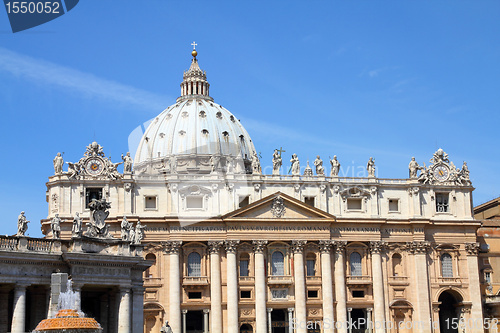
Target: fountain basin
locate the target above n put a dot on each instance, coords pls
(68, 321)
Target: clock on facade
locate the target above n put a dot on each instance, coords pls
(441, 172)
(94, 166)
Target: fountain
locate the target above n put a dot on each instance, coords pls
(68, 319)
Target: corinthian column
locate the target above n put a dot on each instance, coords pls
(476, 312)
(300, 285)
(421, 285)
(215, 287)
(124, 311)
(260, 286)
(173, 248)
(327, 285)
(232, 286)
(378, 286)
(340, 291)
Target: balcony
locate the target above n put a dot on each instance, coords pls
(195, 281)
(492, 300)
(279, 280)
(399, 280)
(359, 280)
(152, 282)
(313, 279)
(247, 280)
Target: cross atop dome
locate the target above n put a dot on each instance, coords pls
(194, 83)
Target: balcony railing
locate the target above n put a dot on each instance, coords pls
(398, 280)
(279, 279)
(152, 281)
(361, 279)
(449, 280)
(247, 279)
(313, 279)
(195, 280)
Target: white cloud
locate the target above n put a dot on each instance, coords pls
(91, 86)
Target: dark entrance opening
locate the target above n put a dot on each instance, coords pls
(359, 322)
(279, 322)
(194, 321)
(246, 328)
(448, 312)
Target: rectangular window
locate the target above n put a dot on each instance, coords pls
(354, 204)
(393, 205)
(150, 202)
(358, 293)
(246, 294)
(91, 194)
(312, 294)
(442, 202)
(194, 202)
(243, 267)
(244, 201)
(309, 201)
(487, 277)
(310, 267)
(194, 295)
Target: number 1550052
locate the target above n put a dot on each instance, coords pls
(33, 7)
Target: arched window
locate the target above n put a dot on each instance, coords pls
(355, 262)
(194, 264)
(397, 268)
(151, 271)
(310, 264)
(278, 263)
(446, 265)
(244, 263)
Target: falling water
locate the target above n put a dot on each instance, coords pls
(68, 299)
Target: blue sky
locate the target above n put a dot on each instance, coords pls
(388, 79)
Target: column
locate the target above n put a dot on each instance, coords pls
(420, 281)
(260, 286)
(173, 248)
(184, 313)
(205, 320)
(124, 311)
(290, 320)
(327, 285)
(215, 287)
(300, 286)
(476, 313)
(340, 287)
(369, 319)
(232, 286)
(269, 322)
(19, 309)
(4, 309)
(349, 319)
(378, 286)
(138, 309)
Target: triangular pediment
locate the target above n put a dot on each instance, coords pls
(279, 206)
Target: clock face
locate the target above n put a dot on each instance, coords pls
(441, 173)
(94, 166)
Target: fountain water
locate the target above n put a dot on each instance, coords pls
(69, 318)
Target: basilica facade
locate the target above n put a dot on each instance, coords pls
(235, 249)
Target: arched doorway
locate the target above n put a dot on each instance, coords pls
(279, 321)
(449, 311)
(246, 328)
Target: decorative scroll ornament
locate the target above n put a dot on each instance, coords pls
(441, 171)
(278, 207)
(94, 164)
(97, 228)
(418, 247)
(472, 248)
(298, 245)
(259, 245)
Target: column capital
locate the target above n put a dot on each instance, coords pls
(184, 311)
(214, 246)
(206, 311)
(259, 246)
(369, 309)
(124, 289)
(173, 247)
(298, 245)
(472, 248)
(290, 310)
(269, 310)
(377, 246)
(349, 309)
(21, 286)
(325, 246)
(418, 247)
(232, 246)
(340, 246)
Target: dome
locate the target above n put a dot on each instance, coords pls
(194, 126)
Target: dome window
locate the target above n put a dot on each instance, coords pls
(219, 115)
(203, 114)
(242, 138)
(162, 135)
(204, 132)
(185, 114)
(181, 132)
(225, 135)
(169, 115)
(232, 118)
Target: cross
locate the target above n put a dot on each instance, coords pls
(194, 45)
(281, 150)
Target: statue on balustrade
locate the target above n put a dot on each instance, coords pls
(76, 230)
(22, 224)
(58, 164)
